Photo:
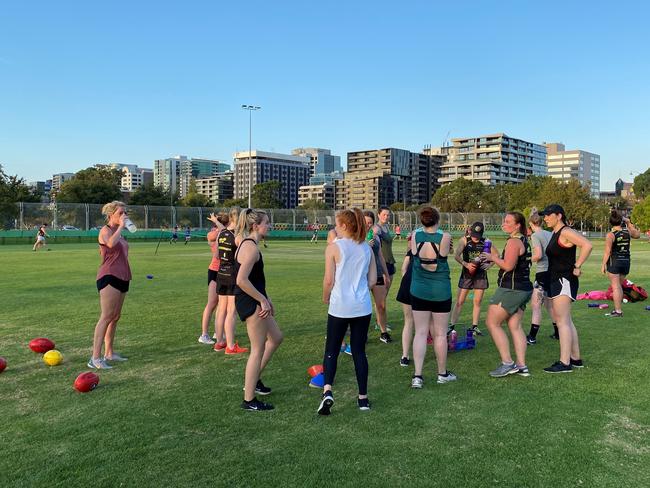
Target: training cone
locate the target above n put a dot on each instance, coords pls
(3, 364)
(315, 370)
(41, 345)
(86, 382)
(317, 381)
(150, 277)
(53, 357)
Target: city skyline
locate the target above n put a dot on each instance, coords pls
(107, 83)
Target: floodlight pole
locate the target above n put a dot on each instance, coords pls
(250, 109)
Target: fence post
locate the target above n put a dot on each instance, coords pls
(200, 218)
(87, 216)
(173, 210)
(54, 217)
(146, 217)
(293, 212)
(22, 220)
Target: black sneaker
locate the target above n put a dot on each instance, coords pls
(450, 328)
(261, 389)
(615, 314)
(364, 404)
(256, 405)
(577, 363)
(559, 367)
(476, 331)
(326, 403)
(530, 340)
(385, 338)
(404, 362)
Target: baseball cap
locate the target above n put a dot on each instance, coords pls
(476, 230)
(552, 209)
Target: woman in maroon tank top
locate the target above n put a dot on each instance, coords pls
(113, 280)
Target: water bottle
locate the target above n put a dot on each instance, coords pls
(487, 246)
(603, 306)
(593, 305)
(130, 226)
(453, 337)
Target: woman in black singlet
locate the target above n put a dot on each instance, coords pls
(616, 258)
(254, 306)
(564, 270)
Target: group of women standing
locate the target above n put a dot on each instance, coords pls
(359, 264)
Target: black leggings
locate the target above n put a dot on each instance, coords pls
(336, 329)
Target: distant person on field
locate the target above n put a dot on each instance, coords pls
(398, 232)
(188, 234)
(174, 238)
(40, 237)
(254, 306)
(616, 259)
(314, 235)
(350, 273)
(113, 280)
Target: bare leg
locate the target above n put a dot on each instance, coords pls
(536, 302)
(476, 310)
(109, 301)
(566, 329)
(231, 321)
(617, 290)
(495, 317)
(440, 321)
(407, 331)
(257, 332)
(379, 292)
(220, 321)
(455, 312)
(518, 337)
(421, 321)
(274, 338)
(213, 299)
(109, 337)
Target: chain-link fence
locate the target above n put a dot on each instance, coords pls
(86, 217)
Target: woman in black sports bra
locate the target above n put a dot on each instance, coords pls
(254, 306)
(564, 269)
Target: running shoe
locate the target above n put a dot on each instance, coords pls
(504, 370)
(98, 364)
(530, 340)
(261, 389)
(364, 404)
(577, 363)
(615, 314)
(559, 367)
(347, 350)
(385, 338)
(476, 331)
(256, 406)
(326, 404)
(236, 349)
(116, 358)
(417, 382)
(220, 346)
(205, 339)
(404, 362)
(448, 377)
(523, 371)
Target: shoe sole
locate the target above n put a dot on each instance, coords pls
(263, 393)
(325, 406)
(557, 372)
(364, 409)
(404, 365)
(446, 381)
(385, 341)
(417, 387)
(232, 353)
(512, 371)
(524, 375)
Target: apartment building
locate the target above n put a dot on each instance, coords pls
(575, 163)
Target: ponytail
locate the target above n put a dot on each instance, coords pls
(247, 219)
(354, 222)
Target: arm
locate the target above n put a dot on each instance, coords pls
(213, 218)
(372, 271)
(635, 233)
(445, 245)
(609, 240)
(247, 256)
(331, 253)
(537, 251)
(583, 243)
(458, 255)
(514, 249)
(405, 265)
(111, 240)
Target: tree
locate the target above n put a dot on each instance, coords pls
(13, 190)
(97, 184)
(460, 195)
(152, 195)
(267, 195)
(397, 207)
(313, 204)
(194, 198)
(641, 184)
(496, 199)
(235, 202)
(641, 214)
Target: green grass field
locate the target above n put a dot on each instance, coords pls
(170, 416)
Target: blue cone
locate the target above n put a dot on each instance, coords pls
(317, 381)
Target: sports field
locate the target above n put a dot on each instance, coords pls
(170, 416)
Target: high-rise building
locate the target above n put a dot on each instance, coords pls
(133, 177)
(291, 171)
(581, 165)
(385, 176)
(322, 193)
(492, 159)
(217, 188)
(60, 178)
(177, 172)
(167, 172)
(322, 160)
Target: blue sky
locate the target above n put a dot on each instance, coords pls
(88, 82)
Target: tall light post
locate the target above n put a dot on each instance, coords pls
(250, 109)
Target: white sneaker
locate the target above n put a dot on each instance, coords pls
(417, 382)
(447, 378)
(115, 358)
(98, 364)
(205, 339)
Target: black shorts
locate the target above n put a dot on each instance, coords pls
(565, 286)
(542, 281)
(419, 305)
(380, 281)
(245, 305)
(212, 276)
(390, 267)
(106, 280)
(225, 286)
(473, 282)
(404, 292)
(619, 267)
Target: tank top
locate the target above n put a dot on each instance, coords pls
(212, 237)
(350, 295)
(542, 237)
(41, 232)
(430, 285)
(374, 243)
(561, 260)
(227, 247)
(256, 276)
(386, 241)
(620, 246)
(519, 277)
(471, 251)
(115, 260)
